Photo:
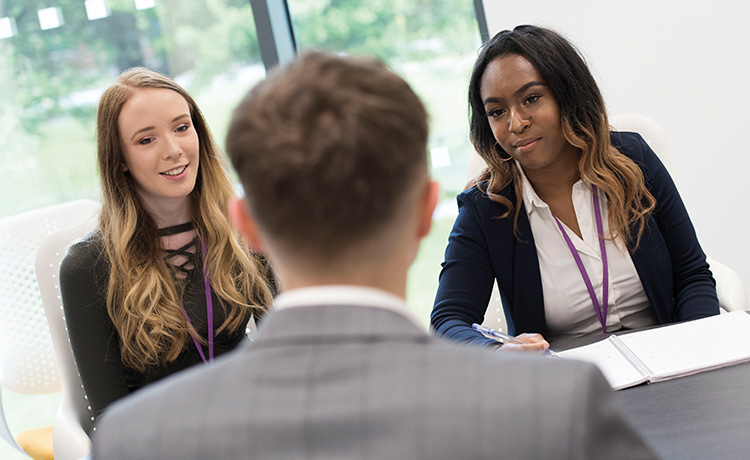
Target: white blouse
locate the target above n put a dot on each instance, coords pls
(567, 304)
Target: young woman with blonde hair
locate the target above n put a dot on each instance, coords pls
(165, 281)
(581, 228)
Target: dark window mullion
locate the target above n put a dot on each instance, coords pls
(276, 37)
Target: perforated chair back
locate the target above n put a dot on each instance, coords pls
(27, 360)
(74, 417)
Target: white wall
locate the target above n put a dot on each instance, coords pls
(685, 64)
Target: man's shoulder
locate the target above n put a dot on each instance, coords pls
(176, 402)
(457, 385)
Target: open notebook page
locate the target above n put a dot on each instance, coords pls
(618, 371)
(694, 346)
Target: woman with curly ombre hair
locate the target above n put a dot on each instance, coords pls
(165, 281)
(582, 228)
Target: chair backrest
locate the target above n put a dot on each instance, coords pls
(729, 287)
(27, 360)
(649, 130)
(73, 421)
(26, 355)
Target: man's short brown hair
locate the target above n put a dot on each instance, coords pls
(326, 148)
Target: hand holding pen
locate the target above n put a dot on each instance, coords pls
(524, 342)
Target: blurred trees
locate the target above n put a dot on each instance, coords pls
(50, 68)
(394, 30)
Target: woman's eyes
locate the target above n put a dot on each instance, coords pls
(179, 129)
(494, 113)
(528, 100)
(531, 99)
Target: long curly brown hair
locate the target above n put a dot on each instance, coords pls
(142, 299)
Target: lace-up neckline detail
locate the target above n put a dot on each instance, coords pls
(186, 254)
(184, 261)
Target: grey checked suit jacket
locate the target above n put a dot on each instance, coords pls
(341, 382)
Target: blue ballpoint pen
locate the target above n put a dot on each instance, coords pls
(497, 335)
(503, 337)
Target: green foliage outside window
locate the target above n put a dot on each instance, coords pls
(394, 30)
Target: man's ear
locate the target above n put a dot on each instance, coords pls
(244, 222)
(427, 206)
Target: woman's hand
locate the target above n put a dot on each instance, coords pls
(534, 343)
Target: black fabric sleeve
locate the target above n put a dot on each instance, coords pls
(465, 283)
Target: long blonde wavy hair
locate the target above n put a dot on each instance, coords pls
(142, 298)
(584, 125)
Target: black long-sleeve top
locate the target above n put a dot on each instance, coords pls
(84, 278)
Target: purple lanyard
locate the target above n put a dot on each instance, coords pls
(601, 311)
(209, 311)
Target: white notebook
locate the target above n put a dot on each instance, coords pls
(671, 351)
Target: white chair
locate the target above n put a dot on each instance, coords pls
(649, 130)
(729, 286)
(73, 421)
(27, 360)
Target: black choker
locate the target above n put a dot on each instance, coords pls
(175, 229)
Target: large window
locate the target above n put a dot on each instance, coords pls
(58, 56)
(432, 44)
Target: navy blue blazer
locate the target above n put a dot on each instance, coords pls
(481, 249)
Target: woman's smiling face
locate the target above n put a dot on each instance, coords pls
(160, 145)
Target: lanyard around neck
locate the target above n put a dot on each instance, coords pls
(209, 311)
(601, 310)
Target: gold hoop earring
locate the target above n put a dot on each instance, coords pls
(499, 149)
